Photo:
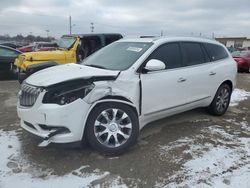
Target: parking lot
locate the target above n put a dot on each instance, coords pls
(192, 149)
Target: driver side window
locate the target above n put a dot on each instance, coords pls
(170, 54)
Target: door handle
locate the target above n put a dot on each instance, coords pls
(182, 80)
(212, 73)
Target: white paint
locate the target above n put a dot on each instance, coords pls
(57, 74)
(163, 92)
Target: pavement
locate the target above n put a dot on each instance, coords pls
(192, 149)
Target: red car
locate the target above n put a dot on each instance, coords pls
(39, 46)
(243, 60)
(28, 48)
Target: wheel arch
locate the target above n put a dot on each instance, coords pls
(230, 83)
(108, 99)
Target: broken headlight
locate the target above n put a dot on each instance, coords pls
(67, 93)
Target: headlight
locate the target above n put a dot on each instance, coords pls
(67, 93)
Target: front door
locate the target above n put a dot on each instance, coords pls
(165, 89)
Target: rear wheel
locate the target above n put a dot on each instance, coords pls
(112, 128)
(221, 100)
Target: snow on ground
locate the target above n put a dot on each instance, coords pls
(222, 162)
(238, 95)
(15, 170)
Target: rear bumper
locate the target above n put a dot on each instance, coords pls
(43, 119)
(243, 66)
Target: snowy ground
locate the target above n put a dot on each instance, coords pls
(224, 163)
(16, 170)
(238, 95)
(216, 153)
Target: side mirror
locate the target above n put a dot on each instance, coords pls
(155, 65)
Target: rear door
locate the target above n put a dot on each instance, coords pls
(197, 70)
(221, 65)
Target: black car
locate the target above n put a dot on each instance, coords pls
(7, 58)
(11, 45)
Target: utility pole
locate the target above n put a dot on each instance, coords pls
(161, 33)
(70, 25)
(213, 35)
(92, 27)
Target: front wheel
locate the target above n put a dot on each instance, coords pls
(221, 100)
(112, 128)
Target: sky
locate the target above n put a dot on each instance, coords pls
(128, 17)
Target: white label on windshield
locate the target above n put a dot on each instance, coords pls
(134, 49)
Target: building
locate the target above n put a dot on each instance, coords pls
(236, 42)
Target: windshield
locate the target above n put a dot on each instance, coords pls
(240, 53)
(65, 42)
(117, 56)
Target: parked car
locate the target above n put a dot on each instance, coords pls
(45, 46)
(71, 49)
(28, 48)
(243, 60)
(39, 46)
(7, 58)
(115, 92)
(11, 45)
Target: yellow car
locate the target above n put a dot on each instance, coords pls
(71, 49)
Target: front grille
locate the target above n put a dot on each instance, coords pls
(28, 95)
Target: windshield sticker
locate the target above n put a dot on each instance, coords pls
(134, 49)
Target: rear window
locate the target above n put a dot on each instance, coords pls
(216, 52)
(193, 53)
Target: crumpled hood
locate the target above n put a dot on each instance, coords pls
(61, 73)
(45, 55)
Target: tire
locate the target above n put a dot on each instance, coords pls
(221, 100)
(112, 128)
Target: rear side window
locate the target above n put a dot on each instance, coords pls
(170, 54)
(193, 53)
(216, 52)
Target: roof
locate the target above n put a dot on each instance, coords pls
(91, 34)
(6, 47)
(232, 38)
(169, 39)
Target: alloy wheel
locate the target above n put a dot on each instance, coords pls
(113, 127)
(223, 99)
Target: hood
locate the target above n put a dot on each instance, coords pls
(61, 73)
(45, 55)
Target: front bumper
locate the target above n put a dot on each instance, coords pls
(43, 119)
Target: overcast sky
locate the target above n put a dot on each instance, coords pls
(129, 17)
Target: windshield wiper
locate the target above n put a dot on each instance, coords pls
(96, 66)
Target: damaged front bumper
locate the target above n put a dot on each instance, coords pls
(55, 123)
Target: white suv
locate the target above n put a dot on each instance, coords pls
(108, 98)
